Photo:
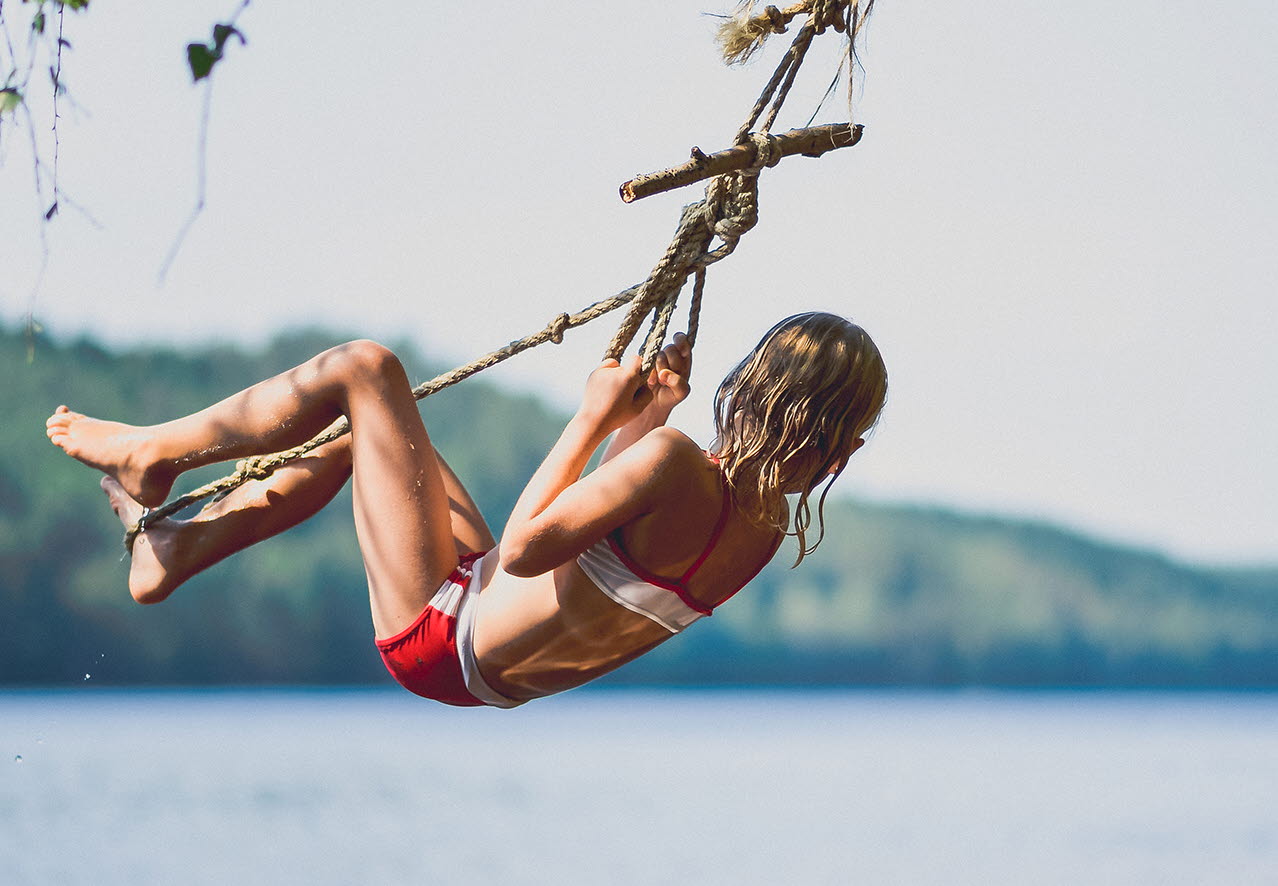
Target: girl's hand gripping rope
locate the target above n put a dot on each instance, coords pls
(615, 394)
(669, 378)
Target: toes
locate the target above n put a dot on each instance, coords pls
(124, 506)
(61, 418)
(112, 486)
(58, 425)
(113, 489)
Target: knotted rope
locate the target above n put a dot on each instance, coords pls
(727, 211)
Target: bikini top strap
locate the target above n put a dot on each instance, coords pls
(767, 558)
(724, 512)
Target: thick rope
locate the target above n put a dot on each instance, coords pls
(262, 466)
(778, 88)
(694, 306)
(728, 210)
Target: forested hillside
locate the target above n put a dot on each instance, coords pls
(895, 596)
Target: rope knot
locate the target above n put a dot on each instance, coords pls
(776, 20)
(131, 534)
(557, 328)
(255, 468)
(739, 210)
(735, 226)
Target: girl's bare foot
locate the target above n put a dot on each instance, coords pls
(117, 450)
(158, 563)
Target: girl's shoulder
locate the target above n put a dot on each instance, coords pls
(662, 458)
(672, 447)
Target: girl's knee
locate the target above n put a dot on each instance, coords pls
(365, 359)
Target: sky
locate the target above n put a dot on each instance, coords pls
(1059, 227)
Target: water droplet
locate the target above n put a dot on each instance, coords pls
(86, 676)
(17, 758)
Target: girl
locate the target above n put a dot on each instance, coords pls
(591, 571)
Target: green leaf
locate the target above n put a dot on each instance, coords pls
(37, 22)
(10, 98)
(222, 33)
(201, 59)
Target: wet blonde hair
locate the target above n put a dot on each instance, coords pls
(789, 415)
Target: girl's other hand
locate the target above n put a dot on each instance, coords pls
(669, 378)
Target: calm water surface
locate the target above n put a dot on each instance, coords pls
(617, 787)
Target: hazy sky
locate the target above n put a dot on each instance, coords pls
(1060, 225)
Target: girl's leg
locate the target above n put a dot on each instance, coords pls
(172, 551)
(401, 501)
(470, 530)
(275, 414)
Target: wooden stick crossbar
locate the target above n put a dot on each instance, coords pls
(810, 142)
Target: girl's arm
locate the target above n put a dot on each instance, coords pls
(536, 541)
(669, 382)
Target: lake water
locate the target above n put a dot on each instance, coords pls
(618, 787)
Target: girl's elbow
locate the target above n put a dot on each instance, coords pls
(518, 560)
(519, 568)
(532, 562)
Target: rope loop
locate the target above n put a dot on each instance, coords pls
(733, 227)
(766, 152)
(824, 14)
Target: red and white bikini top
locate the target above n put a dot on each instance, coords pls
(663, 600)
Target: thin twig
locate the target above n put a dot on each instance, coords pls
(57, 89)
(201, 181)
(201, 171)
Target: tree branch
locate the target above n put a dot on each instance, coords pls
(810, 142)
